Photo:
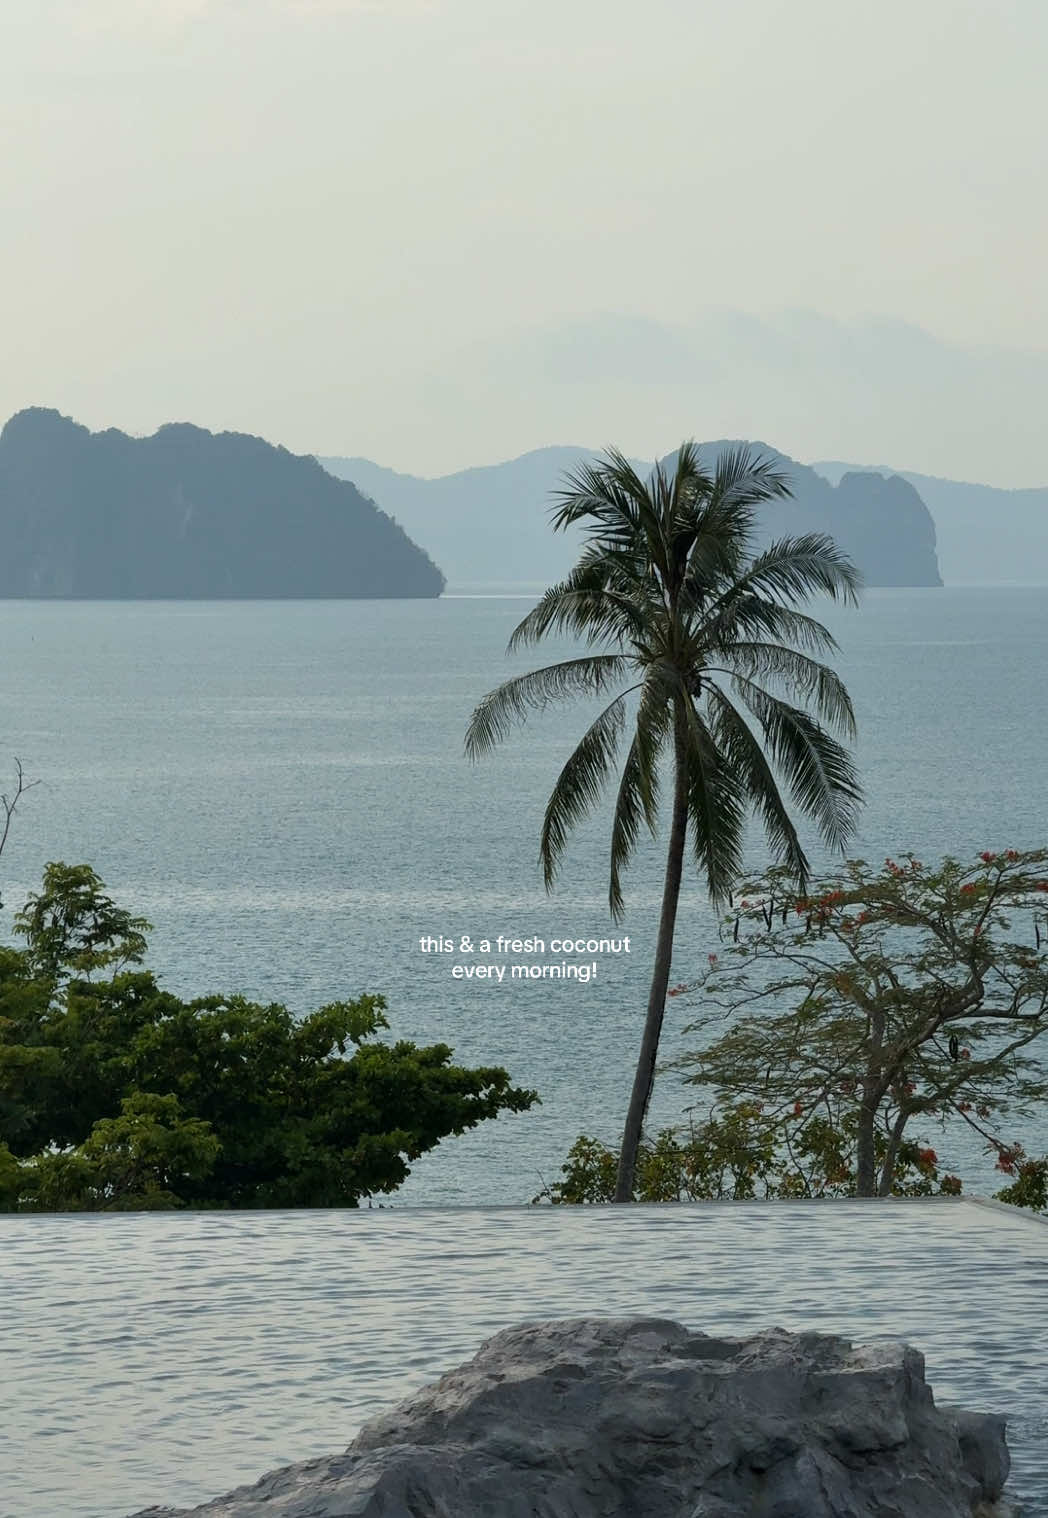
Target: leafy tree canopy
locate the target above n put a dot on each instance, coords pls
(742, 1152)
(885, 996)
(115, 1094)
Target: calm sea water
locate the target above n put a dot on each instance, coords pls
(167, 1358)
(281, 789)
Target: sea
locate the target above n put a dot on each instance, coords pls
(281, 788)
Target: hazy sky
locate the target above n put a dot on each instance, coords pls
(441, 232)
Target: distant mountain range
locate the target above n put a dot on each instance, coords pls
(186, 514)
(985, 535)
(491, 524)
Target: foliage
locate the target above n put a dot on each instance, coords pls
(117, 1094)
(887, 995)
(72, 928)
(715, 670)
(140, 1160)
(1030, 1186)
(740, 1152)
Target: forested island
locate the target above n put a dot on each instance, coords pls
(188, 514)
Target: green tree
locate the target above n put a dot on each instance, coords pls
(888, 996)
(117, 1094)
(71, 927)
(140, 1160)
(741, 1152)
(722, 671)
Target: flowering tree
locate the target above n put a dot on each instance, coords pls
(886, 996)
(742, 1151)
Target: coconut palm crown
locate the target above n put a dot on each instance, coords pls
(714, 668)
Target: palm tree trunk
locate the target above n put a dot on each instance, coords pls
(660, 980)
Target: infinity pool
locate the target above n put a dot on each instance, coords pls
(164, 1358)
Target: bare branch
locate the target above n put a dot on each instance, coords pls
(9, 804)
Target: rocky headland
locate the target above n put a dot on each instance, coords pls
(188, 514)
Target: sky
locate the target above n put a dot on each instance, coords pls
(440, 233)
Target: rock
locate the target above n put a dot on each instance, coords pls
(640, 1418)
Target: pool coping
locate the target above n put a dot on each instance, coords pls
(1025, 1214)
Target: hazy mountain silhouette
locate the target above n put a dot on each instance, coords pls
(986, 535)
(882, 388)
(186, 513)
(491, 524)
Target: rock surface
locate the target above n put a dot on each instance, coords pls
(640, 1418)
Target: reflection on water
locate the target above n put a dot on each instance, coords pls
(167, 1358)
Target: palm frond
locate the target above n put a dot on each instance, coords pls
(501, 709)
(745, 478)
(802, 677)
(619, 510)
(680, 486)
(679, 482)
(747, 759)
(580, 785)
(638, 793)
(724, 519)
(716, 809)
(750, 616)
(821, 776)
(606, 492)
(797, 568)
(716, 551)
(602, 599)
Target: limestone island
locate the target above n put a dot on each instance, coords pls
(188, 514)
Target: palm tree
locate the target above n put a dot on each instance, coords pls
(725, 677)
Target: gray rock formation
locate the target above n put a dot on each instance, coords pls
(985, 535)
(639, 1418)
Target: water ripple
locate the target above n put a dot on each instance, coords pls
(200, 1350)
